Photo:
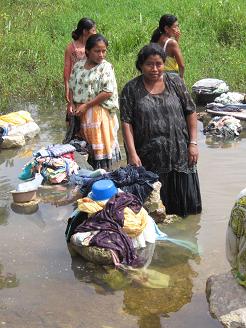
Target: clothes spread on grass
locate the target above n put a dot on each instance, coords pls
(55, 163)
(132, 179)
(227, 127)
(236, 239)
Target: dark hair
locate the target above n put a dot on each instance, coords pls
(156, 35)
(165, 20)
(83, 24)
(151, 49)
(93, 39)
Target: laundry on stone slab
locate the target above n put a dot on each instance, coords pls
(16, 128)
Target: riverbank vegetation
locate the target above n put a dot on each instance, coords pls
(33, 36)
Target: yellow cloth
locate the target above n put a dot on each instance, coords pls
(89, 206)
(171, 65)
(99, 128)
(15, 118)
(134, 224)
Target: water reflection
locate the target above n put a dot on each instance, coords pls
(218, 142)
(7, 280)
(4, 214)
(145, 298)
(148, 305)
(152, 303)
(25, 209)
(58, 195)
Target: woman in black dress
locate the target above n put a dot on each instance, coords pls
(160, 131)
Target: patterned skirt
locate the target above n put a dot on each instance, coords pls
(99, 128)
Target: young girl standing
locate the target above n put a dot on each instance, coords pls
(167, 35)
(75, 51)
(94, 98)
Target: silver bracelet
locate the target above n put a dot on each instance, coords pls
(193, 142)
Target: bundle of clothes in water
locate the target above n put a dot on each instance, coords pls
(226, 127)
(55, 163)
(119, 224)
(132, 179)
(228, 102)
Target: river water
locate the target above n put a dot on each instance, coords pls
(42, 285)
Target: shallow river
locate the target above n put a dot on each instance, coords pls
(42, 285)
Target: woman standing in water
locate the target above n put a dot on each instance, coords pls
(94, 96)
(75, 51)
(167, 35)
(160, 130)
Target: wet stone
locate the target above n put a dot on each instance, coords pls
(227, 300)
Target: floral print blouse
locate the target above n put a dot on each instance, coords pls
(86, 84)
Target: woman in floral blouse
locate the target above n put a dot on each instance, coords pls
(94, 98)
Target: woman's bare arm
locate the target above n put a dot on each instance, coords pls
(133, 157)
(67, 71)
(191, 121)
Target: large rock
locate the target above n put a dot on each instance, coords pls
(13, 141)
(227, 300)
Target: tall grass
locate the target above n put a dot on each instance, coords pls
(34, 33)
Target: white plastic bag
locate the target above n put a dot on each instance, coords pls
(30, 185)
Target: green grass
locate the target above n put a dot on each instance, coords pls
(34, 34)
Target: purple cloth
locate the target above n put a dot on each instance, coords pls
(60, 149)
(109, 222)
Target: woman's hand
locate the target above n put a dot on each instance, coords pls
(80, 109)
(134, 160)
(177, 34)
(70, 108)
(192, 154)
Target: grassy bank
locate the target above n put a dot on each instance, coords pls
(34, 33)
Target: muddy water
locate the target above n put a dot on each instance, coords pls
(42, 285)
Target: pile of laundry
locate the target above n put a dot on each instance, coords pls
(206, 90)
(16, 128)
(226, 127)
(55, 163)
(114, 220)
(228, 102)
(210, 86)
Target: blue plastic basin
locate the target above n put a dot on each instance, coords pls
(103, 189)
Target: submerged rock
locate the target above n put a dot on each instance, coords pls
(94, 254)
(227, 300)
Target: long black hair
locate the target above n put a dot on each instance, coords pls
(165, 20)
(83, 24)
(151, 49)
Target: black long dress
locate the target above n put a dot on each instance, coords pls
(161, 139)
